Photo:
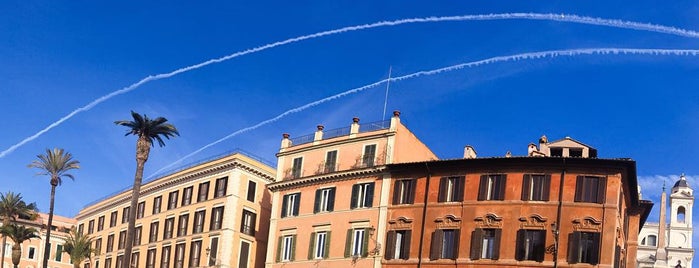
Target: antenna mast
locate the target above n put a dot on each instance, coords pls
(388, 85)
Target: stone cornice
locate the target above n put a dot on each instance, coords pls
(310, 146)
(335, 176)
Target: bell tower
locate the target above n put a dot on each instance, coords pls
(680, 229)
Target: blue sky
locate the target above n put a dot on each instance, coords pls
(58, 56)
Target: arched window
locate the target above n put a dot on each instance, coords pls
(652, 240)
(680, 214)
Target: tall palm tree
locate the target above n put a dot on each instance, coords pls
(12, 207)
(78, 246)
(18, 234)
(147, 130)
(55, 163)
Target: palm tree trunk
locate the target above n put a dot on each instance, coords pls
(47, 244)
(16, 254)
(142, 151)
(4, 241)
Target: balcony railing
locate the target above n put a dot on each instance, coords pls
(302, 139)
(329, 134)
(373, 126)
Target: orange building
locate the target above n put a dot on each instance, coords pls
(212, 214)
(375, 196)
(33, 250)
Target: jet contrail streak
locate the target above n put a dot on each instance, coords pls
(516, 57)
(614, 23)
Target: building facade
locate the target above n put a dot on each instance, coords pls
(674, 248)
(212, 214)
(33, 250)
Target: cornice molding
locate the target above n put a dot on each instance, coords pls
(328, 177)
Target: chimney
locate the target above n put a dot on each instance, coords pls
(531, 149)
(508, 154)
(354, 128)
(395, 120)
(319, 133)
(286, 142)
(469, 152)
(543, 145)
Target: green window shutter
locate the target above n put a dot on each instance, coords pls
(279, 248)
(326, 253)
(348, 244)
(312, 246)
(365, 240)
(285, 200)
(293, 247)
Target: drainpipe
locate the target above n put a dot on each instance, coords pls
(424, 215)
(557, 228)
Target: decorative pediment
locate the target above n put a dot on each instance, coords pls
(587, 224)
(490, 220)
(534, 221)
(400, 223)
(448, 221)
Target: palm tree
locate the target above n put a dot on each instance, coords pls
(147, 130)
(12, 207)
(78, 246)
(55, 163)
(18, 234)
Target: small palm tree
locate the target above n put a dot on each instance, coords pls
(55, 163)
(12, 207)
(18, 234)
(147, 130)
(78, 246)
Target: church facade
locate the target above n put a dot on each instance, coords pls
(674, 247)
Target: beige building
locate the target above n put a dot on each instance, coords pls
(33, 250)
(208, 215)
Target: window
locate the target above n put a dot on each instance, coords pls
(169, 226)
(113, 219)
(125, 215)
(137, 236)
(150, 258)
(140, 210)
(98, 246)
(247, 225)
(331, 161)
(575, 152)
(252, 188)
(492, 187)
(91, 227)
(652, 240)
(156, 204)
(213, 252)
(108, 263)
(296, 168)
(86, 265)
(325, 200)
(485, 244)
(357, 243)
(59, 252)
(404, 191)
(182, 225)
(583, 247)
(557, 152)
(119, 261)
(216, 218)
(100, 223)
(97, 264)
(122, 239)
(590, 189)
(199, 221)
(179, 256)
(680, 214)
(172, 200)
(362, 195)
(536, 187)
(110, 243)
(134, 259)
(203, 192)
(194, 253)
(320, 244)
(286, 248)
(221, 185)
(244, 255)
(31, 253)
(187, 195)
(445, 244)
(81, 228)
(165, 257)
(369, 156)
(153, 232)
(290, 205)
(398, 244)
(531, 245)
(451, 189)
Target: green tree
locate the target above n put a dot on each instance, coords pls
(56, 163)
(147, 130)
(78, 246)
(18, 234)
(12, 207)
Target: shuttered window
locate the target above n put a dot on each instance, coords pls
(286, 248)
(324, 200)
(485, 244)
(357, 243)
(362, 195)
(451, 189)
(492, 187)
(290, 205)
(398, 244)
(319, 245)
(531, 245)
(583, 247)
(536, 187)
(590, 189)
(404, 191)
(445, 244)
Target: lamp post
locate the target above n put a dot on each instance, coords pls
(208, 251)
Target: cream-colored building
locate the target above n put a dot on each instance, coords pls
(212, 214)
(33, 250)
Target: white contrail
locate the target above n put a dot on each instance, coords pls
(516, 57)
(505, 16)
